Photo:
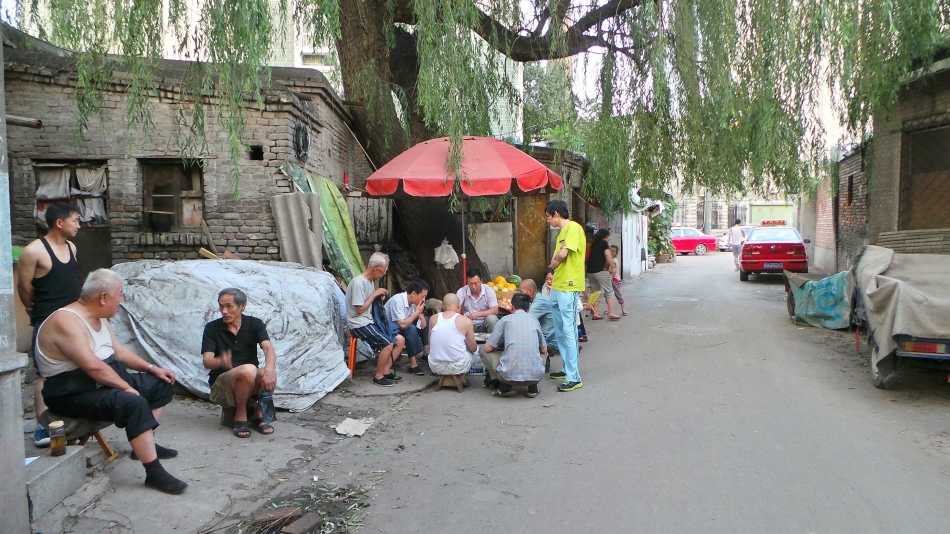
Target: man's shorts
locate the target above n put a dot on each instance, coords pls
(736, 249)
(374, 336)
(222, 394)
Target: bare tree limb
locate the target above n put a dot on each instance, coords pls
(541, 47)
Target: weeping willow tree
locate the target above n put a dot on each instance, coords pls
(721, 93)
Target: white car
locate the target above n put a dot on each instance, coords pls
(723, 242)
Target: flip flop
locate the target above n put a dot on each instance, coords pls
(242, 429)
(597, 317)
(263, 428)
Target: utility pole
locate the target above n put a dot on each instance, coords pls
(14, 510)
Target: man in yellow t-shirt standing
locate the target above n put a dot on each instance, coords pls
(568, 265)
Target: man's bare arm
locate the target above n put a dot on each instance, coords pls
(70, 341)
(560, 256)
(470, 342)
(135, 362)
(270, 366)
(26, 269)
(412, 318)
(369, 300)
(216, 363)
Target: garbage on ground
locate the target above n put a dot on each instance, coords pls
(167, 304)
(353, 427)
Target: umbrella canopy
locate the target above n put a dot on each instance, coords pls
(489, 167)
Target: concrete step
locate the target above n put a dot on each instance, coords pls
(50, 480)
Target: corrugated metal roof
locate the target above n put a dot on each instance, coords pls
(299, 228)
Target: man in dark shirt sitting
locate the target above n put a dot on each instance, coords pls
(229, 350)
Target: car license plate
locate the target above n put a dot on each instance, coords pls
(773, 265)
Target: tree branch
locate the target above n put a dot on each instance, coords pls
(536, 48)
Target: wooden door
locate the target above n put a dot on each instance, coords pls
(532, 234)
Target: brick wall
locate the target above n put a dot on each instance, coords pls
(824, 256)
(242, 224)
(825, 216)
(852, 209)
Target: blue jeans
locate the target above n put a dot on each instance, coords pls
(564, 313)
(416, 339)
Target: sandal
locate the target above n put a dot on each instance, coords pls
(614, 317)
(242, 429)
(624, 312)
(262, 427)
(597, 317)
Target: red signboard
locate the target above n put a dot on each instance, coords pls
(773, 222)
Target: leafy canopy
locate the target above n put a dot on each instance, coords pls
(722, 93)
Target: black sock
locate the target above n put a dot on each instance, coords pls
(164, 453)
(158, 478)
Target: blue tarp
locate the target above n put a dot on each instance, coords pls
(824, 303)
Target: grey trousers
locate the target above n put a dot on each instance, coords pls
(491, 361)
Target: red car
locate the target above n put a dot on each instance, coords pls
(772, 249)
(686, 240)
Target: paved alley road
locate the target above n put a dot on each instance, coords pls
(706, 410)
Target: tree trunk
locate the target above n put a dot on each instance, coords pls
(366, 75)
(363, 50)
(427, 222)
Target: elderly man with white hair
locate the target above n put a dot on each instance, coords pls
(361, 295)
(87, 375)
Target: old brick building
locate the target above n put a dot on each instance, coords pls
(139, 198)
(909, 177)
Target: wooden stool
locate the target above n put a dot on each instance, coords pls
(450, 381)
(82, 430)
(351, 359)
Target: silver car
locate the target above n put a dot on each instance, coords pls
(723, 241)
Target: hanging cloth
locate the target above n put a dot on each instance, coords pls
(92, 181)
(53, 182)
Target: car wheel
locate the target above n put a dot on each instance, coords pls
(882, 373)
(743, 276)
(700, 249)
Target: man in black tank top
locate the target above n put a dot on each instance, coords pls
(48, 279)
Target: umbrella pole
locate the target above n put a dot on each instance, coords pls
(464, 258)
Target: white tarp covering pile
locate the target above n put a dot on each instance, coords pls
(904, 294)
(167, 304)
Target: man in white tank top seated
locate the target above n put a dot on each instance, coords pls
(87, 375)
(451, 341)
(512, 354)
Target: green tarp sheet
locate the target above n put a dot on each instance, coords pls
(339, 239)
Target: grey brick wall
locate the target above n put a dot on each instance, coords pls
(243, 225)
(852, 208)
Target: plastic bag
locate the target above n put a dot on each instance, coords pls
(445, 255)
